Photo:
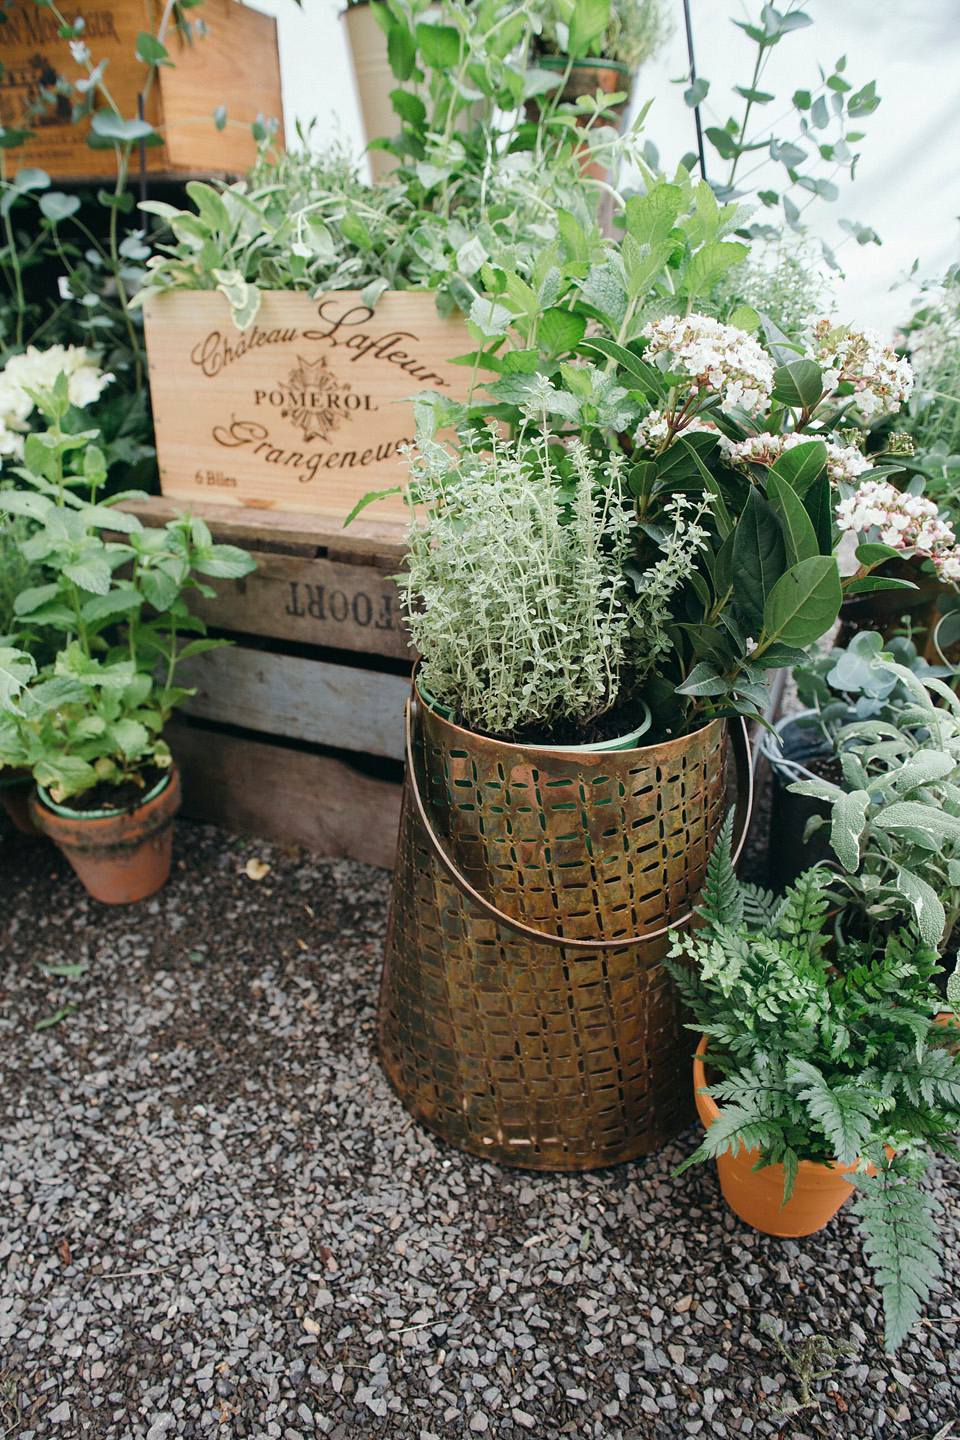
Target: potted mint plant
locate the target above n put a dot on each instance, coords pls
(828, 1076)
(88, 723)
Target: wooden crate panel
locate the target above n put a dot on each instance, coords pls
(312, 601)
(307, 410)
(334, 705)
(236, 64)
(288, 795)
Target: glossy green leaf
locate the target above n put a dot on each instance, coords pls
(799, 536)
(804, 602)
(759, 558)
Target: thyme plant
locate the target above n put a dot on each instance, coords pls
(826, 1057)
(517, 595)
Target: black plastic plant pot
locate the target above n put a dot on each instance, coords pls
(803, 754)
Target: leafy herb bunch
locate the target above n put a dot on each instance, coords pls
(616, 343)
(111, 609)
(826, 1058)
(475, 182)
(895, 817)
(516, 594)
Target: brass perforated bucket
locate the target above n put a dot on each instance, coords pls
(524, 1014)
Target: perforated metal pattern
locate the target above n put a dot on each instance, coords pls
(527, 1052)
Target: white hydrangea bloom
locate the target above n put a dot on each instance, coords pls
(11, 444)
(881, 380)
(844, 462)
(38, 370)
(714, 357)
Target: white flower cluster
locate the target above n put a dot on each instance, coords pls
(38, 370)
(881, 380)
(844, 462)
(654, 430)
(905, 522)
(715, 357)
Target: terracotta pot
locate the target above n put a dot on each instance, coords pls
(119, 856)
(15, 799)
(952, 1022)
(757, 1198)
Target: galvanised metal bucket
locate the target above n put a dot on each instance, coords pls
(524, 1014)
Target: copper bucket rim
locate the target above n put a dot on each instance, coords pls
(745, 777)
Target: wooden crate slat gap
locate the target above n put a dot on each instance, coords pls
(334, 705)
(285, 793)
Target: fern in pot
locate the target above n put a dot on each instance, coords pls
(828, 1078)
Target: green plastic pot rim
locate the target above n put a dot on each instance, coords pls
(71, 814)
(618, 742)
(588, 62)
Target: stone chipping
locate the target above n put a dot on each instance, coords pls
(216, 1220)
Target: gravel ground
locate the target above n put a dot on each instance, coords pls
(216, 1220)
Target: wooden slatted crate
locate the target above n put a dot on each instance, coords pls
(295, 733)
(235, 63)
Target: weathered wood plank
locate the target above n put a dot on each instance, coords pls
(316, 602)
(363, 542)
(289, 795)
(309, 409)
(312, 700)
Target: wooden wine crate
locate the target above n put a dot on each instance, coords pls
(295, 732)
(305, 411)
(236, 64)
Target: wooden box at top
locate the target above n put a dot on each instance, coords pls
(236, 64)
(308, 409)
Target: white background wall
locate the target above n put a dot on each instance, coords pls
(907, 179)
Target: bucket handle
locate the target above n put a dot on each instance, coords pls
(744, 805)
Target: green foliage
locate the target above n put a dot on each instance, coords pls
(895, 824)
(516, 594)
(474, 184)
(827, 1059)
(768, 582)
(788, 172)
(840, 685)
(628, 31)
(107, 600)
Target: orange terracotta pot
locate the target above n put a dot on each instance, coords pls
(15, 799)
(952, 1022)
(119, 857)
(757, 1198)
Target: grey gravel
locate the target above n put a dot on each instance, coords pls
(217, 1221)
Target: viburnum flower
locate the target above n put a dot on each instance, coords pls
(38, 370)
(881, 380)
(716, 358)
(904, 522)
(654, 429)
(844, 462)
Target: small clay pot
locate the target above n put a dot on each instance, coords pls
(15, 798)
(757, 1198)
(119, 856)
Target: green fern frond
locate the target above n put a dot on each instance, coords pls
(902, 1243)
(846, 1114)
(721, 900)
(801, 919)
(760, 907)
